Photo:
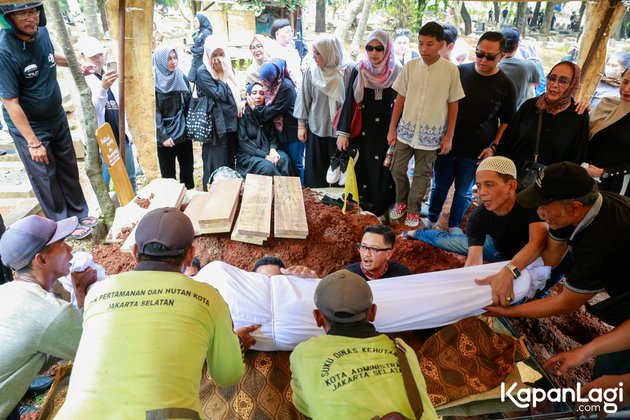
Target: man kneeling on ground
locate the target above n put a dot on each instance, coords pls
(353, 372)
(148, 332)
(33, 322)
(499, 229)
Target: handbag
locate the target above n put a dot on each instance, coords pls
(199, 124)
(356, 125)
(531, 170)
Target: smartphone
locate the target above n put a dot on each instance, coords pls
(112, 65)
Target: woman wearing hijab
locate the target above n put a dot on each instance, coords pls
(261, 48)
(563, 133)
(321, 94)
(216, 80)
(203, 28)
(278, 107)
(171, 99)
(371, 86)
(258, 151)
(609, 146)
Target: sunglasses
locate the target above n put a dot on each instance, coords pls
(562, 80)
(370, 48)
(489, 57)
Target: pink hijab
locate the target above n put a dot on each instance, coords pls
(377, 76)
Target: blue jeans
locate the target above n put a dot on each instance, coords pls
(129, 165)
(457, 243)
(449, 168)
(295, 150)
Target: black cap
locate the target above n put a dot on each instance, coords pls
(558, 181)
(166, 227)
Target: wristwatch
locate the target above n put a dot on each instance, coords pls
(516, 273)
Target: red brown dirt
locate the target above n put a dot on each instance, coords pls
(331, 245)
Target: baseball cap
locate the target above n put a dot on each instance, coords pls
(343, 297)
(499, 164)
(90, 46)
(168, 227)
(28, 236)
(512, 37)
(558, 181)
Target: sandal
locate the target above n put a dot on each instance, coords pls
(80, 232)
(405, 235)
(89, 222)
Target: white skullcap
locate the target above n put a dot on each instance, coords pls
(498, 164)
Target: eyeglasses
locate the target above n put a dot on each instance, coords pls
(489, 57)
(370, 48)
(562, 80)
(26, 15)
(286, 30)
(255, 47)
(370, 249)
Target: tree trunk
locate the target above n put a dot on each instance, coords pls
(358, 34)
(497, 11)
(90, 11)
(350, 14)
(535, 16)
(92, 161)
(581, 17)
(320, 16)
(521, 17)
(467, 20)
(103, 15)
(549, 10)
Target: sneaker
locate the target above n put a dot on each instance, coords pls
(334, 170)
(397, 211)
(455, 231)
(412, 220)
(352, 153)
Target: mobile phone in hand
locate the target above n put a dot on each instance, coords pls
(112, 65)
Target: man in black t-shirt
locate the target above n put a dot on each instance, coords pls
(595, 226)
(482, 117)
(34, 114)
(376, 249)
(500, 229)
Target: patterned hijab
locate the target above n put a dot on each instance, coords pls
(167, 81)
(381, 75)
(564, 101)
(329, 78)
(212, 44)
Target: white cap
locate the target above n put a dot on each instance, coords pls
(499, 164)
(90, 46)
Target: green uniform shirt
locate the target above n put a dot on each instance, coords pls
(145, 337)
(353, 378)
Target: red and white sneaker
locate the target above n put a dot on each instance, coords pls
(412, 219)
(397, 211)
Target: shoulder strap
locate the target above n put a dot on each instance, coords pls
(411, 388)
(538, 130)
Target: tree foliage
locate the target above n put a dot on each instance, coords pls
(400, 13)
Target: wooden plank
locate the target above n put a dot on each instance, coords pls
(255, 240)
(195, 209)
(289, 212)
(220, 209)
(166, 193)
(255, 214)
(117, 170)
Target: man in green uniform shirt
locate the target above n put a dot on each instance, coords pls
(352, 372)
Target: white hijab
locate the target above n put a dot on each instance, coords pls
(329, 79)
(211, 44)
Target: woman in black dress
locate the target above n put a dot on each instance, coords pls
(371, 86)
(203, 29)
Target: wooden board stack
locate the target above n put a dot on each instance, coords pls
(214, 211)
(289, 212)
(254, 220)
(166, 193)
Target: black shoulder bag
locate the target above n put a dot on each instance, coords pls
(531, 170)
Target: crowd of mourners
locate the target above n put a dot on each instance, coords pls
(552, 181)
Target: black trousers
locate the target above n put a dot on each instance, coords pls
(56, 184)
(319, 150)
(183, 152)
(216, 156)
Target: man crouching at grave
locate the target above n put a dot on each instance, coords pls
(353, 371)
(147, 333)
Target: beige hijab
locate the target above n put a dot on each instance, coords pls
(269, 51)
(213, 43)
(607, 112)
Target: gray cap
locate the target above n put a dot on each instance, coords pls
(166, 227)
(28, 236)
(343, 297)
